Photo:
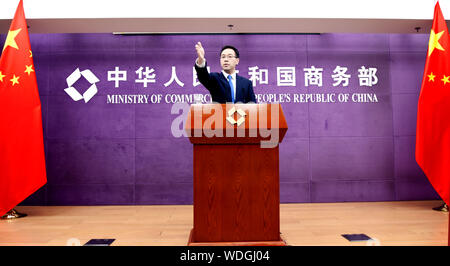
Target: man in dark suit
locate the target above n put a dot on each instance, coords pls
(225, 86)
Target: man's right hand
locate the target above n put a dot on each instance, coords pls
(200, 53)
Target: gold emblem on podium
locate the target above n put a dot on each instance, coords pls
(240, 120)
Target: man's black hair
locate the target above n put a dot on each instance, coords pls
(230, 47)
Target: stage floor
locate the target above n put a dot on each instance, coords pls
(312, 224)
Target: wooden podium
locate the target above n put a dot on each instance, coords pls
(236, 173)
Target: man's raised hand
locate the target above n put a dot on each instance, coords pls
(200, 53)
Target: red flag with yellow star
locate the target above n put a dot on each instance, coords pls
(433, 114)
(22, 162)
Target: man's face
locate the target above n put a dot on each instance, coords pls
(228, 60)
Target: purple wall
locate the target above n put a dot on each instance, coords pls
(101, 153)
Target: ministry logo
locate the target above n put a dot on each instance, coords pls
(230, 118)
(74, 77)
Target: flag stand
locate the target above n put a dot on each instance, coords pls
(13, 214)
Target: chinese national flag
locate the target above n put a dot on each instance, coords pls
(433, 114)
(22, 162)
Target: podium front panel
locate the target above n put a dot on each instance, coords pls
(236, 193)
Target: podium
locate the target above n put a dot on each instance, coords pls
(236, 173)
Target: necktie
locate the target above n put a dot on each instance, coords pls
(231, 86)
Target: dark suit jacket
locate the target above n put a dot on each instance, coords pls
(220, 90)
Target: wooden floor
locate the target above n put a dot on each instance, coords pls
(389, 223)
